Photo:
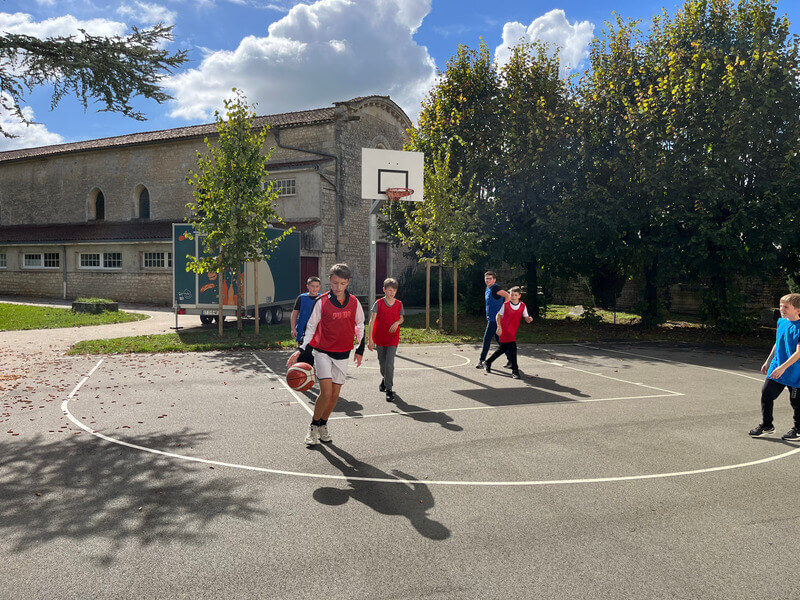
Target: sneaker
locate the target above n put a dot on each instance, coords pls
(487, 367)
(479, 365)
(792, 435)
(760, 430)
(324, 436)
(514, 374)
(312, 437)
(390, 396)
(382, 386)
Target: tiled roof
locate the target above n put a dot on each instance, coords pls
(129, 231)
(291, 119)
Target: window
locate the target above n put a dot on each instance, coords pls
(100, 207)
(47, 260)
(97, 260)
(144, 204)
(112, 260)
(157, 260)
(90, 260)
(285, 187)
(2, 260)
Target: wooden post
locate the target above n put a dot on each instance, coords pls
(427, 295)
(256, 310)
(455, 298)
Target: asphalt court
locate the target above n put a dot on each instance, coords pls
(581, 414)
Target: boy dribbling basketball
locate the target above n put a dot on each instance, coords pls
(336, 319)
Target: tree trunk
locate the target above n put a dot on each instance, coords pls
(220, 282)
(427, 295)
(650, 315)
(441, 308)
(531, 277)
(455, 298)
(256, 312)
(239, 293)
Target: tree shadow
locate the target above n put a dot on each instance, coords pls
(412, 501)
(90, 490)
(424, 415)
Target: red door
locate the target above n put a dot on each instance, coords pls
(309, 267)
(381, 266)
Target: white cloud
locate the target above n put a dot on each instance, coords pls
(29, 136)
(23, 23)
(316, 54)
(149, 14)
(551, 28)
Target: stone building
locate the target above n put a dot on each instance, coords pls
(94, 218)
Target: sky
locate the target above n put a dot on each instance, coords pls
(287, 56)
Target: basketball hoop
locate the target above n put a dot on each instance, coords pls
(397, 193)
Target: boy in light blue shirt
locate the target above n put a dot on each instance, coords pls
(782, 370)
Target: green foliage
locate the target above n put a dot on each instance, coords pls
(232, 205)
(109, 70)
(94, 300)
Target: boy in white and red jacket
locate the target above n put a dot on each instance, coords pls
(336, 320)
(384, 332)
(508, 320)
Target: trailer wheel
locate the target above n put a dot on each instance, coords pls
(206, 319)
(265, 316)
(216, 319)
(277, 315)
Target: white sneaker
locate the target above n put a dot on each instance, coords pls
(324, 436)
(312, 437)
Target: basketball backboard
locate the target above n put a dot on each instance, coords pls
(382, 169)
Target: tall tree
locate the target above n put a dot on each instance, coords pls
(445, 227)
(729, 89)
(537, 159)
(109, 70)
(232, 203)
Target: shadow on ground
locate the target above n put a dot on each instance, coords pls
(86, 490)
(412, 501)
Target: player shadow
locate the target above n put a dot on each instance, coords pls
(104, 496)
(411, 500)
(424, 415)
(349, 407)
(542, 383)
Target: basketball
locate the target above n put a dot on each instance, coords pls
(300, 377)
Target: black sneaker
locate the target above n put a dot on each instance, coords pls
(479, 365)
(487, 367)
(382, 386)
(760, 430)
(515, 375)
(389, 396)
(792, 435)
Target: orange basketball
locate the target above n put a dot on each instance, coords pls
(300, 377)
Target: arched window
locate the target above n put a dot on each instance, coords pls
(100, 207)
(144, 204)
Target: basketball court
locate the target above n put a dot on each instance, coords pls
(621, 469)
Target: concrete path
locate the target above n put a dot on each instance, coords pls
(21, 351)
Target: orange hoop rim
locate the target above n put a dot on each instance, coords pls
(397, 193)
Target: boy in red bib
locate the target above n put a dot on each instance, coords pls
(384, 332)
(508, 320)
(336, 320)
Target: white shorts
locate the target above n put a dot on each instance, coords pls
(326, 367)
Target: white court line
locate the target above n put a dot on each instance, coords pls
(463, 364)
(71, 417)
(286, 385)
(676, 362)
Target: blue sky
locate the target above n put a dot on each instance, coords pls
(288, 56)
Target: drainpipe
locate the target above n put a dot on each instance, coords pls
(64, 274)
(336, 186)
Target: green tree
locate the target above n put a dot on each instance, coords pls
(110, 70)
(728, 100)
(232, 205)
(445, 227)
(537, 158)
